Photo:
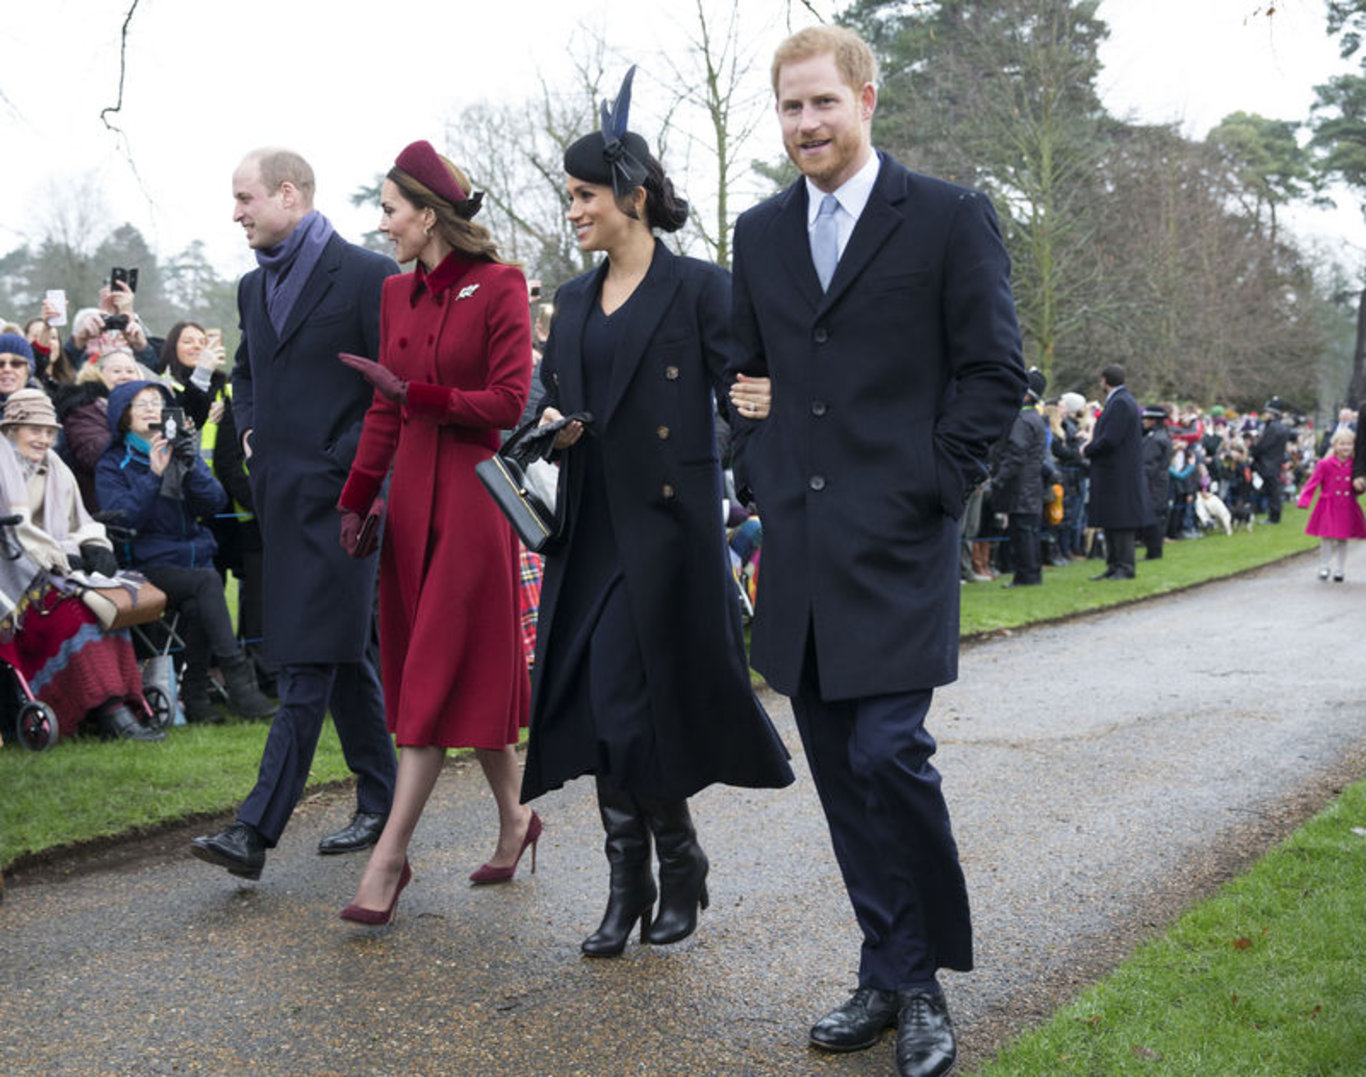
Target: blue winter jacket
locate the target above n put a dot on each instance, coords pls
(168, 531)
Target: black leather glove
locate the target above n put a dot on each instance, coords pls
(185, 449)
(98, 559)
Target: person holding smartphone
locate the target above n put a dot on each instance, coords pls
(152, 479)
(50, 364)
(197, 363)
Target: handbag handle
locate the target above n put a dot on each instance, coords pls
(531, 441)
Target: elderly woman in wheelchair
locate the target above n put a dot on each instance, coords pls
(49, 637)
(152, 480)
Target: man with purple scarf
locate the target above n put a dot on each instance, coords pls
(300, 411)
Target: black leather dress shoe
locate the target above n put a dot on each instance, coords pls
(1107, 575)
(925, 1046)
(238, 848)
(360, 833)
(858, 1023)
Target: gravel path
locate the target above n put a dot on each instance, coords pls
(1101, 773)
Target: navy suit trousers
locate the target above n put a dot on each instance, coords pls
(870, 759)
(307, 691)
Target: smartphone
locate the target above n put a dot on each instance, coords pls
(57, 297)
(215, 337)
(127, 276)
(172, 423)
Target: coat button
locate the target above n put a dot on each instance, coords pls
(668, 491)
(817, 482)
(671, 372)
(662, 432)
(822, 335)
(818, 407)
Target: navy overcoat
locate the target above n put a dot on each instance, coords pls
(663, 491)
(304, 409)
(1119, 488)
(888, 391)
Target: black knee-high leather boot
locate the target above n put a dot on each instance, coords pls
(682, 871)
(632, 893)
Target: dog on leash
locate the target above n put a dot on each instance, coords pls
(1211, 510)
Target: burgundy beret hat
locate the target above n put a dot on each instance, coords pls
(425, 165)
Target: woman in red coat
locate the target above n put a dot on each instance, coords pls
(454, 370)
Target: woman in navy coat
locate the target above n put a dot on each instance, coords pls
(640, 674)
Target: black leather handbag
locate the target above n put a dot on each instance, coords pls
(526, 486)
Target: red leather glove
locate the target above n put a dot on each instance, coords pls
(388, 383)
(350, 531)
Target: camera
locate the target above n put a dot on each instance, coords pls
(116, 321)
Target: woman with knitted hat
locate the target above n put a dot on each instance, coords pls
(641, 677)
(16, 364)
(47, 632)
(453, 370)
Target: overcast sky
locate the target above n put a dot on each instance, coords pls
(207, 82)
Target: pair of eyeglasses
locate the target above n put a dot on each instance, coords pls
(16, 362)
(146, 405)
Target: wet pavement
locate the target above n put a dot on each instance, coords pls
(1099, 772)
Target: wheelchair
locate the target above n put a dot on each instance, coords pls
(26, 719)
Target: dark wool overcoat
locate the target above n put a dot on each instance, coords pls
(663, 490)
(889, 389)
(1119, 489)
(304, 409)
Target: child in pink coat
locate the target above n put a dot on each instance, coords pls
(1337, 517)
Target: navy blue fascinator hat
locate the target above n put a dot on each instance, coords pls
(612, 155)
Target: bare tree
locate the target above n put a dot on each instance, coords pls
(714, 79)
(514, 153)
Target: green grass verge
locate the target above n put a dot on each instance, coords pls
(86, 788)
(1263, 980)
(1070, 590)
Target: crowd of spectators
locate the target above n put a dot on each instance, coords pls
(201, 501)
(1207, 470)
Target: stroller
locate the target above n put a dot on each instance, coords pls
(23, 717)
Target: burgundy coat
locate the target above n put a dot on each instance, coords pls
(83, 411)
(1338, 513)
(449, 611)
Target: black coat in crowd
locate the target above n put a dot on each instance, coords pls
(1268, 451)
(1119, 494)
(1157, 458)
(1017, 484)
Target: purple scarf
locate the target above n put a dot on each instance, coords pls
(289, 264)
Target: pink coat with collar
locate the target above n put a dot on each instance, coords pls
(1337, 514)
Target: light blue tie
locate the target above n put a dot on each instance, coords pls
(825, 240)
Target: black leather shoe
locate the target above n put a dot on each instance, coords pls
(858, 1023)
(1105, 576)
(925, 1045)
(360, 833)
(238, 848)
